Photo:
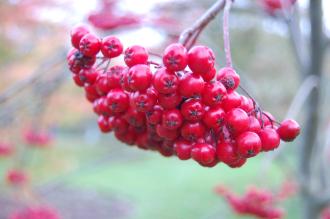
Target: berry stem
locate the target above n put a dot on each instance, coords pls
(226, 38)
(192, 32)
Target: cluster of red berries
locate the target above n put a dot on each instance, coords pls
(255, 202)
(180, 107)
(37, 138)
(325, 214)
(6, 149)
(40, 212)
(16, 177)
(271, 6)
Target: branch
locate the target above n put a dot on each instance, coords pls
(299, 46)
(194, 31)
(42, 70)
(226, 38)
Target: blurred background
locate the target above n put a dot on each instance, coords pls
(50, 138)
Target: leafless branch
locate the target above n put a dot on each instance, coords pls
(42, 70)
(188, 34)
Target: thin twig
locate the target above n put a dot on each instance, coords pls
(202, 22)
(226, 39)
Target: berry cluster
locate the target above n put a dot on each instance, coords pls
(255, 202)
(37, 138)
(325, 214)
(271, 6)
(16, 177)
(181, 107)
(41, 212)
(6, 149)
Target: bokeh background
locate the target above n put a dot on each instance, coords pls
(85, 174)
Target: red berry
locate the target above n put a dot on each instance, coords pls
(124, 80)
(91, 90)
(248, 144)
(118, 100)
(103, 107)
(102, 85)
(246, 104)
(231, 100)
(89, 45)
(154, 116)
(183, 149)
(237, 121)
(175, 57)
(214, 117)
(166, 133)
(111, 47)
(169, 101)
(134, 118)
(192, 131)
(269, 139)
(201, 59)
(209, 76)
(114, 76)
(128, 137)
(254, 125)
(213, 93)
(144, 101)
(78, 61)
(266, 119)
(165, 82)
(135, 55)
(77, 80)
(192, 110)
(77, 33)
(142, 141)
(288, 130)
(88, 75)
(228, 77)
(226, 153)
(139, 77)
(103, 124)
(172, 119)
(191, 85)
(238, 163)
(118, 124)
(203, 153)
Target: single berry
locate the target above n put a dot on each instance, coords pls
(139, 77)
(201, 59)
(182, 149)
(77, 33)
(103, 124)
(89, 45)
(88, 75)
(228, 77)
(248, 144)
(237, 121)
(154, 116)
(213, 93)
(192, 131)
(288, 130)
(135, 55)
(134, 118)
(172, 119)
(165, 82)
(270, 140)
(246, 104)
(118, 124)
(231, 100)
(203, 153)
(111, 47)
(209, 76)
(254, 125)
(143, 101)
(226, 153)
(192, 110)
(118, 100)
(214, 117)
(191, 85)
(166, 133)
(175, 57)
(169, 101)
